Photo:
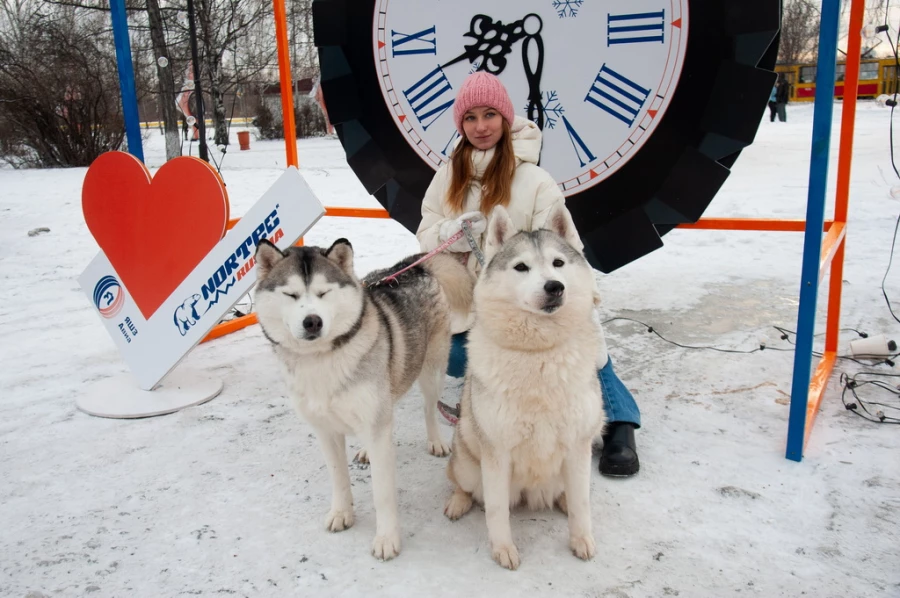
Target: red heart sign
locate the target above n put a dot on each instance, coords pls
(154, 232)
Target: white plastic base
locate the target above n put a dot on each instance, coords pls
(119, 396)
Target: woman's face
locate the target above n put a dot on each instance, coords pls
(483, 127)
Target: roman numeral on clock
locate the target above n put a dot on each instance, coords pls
(429, 98)
(448, 149)
(578, 144)
(416, 43)
(617, 95)
(636, 28)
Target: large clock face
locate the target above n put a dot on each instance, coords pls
(643, 113)
(597, 77)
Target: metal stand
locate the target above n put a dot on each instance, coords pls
(821, 256)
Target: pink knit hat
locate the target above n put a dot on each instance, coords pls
(482, 89)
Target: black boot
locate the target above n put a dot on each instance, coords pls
(619, 457)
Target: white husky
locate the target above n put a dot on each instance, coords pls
(531, 403)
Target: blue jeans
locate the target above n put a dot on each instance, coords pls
(618, 402)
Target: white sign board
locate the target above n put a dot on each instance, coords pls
(152, 347)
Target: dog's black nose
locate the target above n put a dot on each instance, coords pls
(312, 324)
(554, 288)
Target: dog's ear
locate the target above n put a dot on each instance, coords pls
(267, 255)
(341, 253)
(560, 221)
(500, 229)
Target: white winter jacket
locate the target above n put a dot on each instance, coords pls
(533, 194)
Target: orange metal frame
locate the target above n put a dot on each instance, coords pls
(835, 241)
(832, 245)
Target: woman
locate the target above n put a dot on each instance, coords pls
(782, 95)
(495, 163)
(773, 103)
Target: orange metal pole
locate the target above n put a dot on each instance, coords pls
(833, 242)
(751, 224)
(290, 143)
(746, 224)
(835, 288)
(287, 83)
(357, 212)
(845, 160)
(758, 224)
(340, 213)
(817, 385)
(230, 326)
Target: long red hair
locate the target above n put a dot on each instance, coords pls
(497, 178)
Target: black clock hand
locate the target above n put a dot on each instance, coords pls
(533, 76)
(492, 43)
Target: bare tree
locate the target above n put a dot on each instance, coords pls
(304, 56)
(222, 26)
(876, 14)
(59, 92)
(165, 77)
(148, 42)
(799, 31)
(237, 53)
(876, 10)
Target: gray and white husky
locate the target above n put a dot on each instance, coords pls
(349, 349)
(531, 402)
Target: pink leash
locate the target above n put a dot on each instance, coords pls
(424, 258)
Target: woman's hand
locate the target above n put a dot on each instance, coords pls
(477, 225)
(477, 222)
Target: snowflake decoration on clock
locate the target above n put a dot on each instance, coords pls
(553, 110)
(567, 8)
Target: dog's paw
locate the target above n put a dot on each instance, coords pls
(338, 520)
(386, 547)
(583, 547)
(439, 448)
(458, 505)
(362, 457)
(562, 503)
(506, 555)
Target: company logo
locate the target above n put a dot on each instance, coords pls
(109, 297)
(233, 269)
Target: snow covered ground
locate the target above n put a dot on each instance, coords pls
(229, 498)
